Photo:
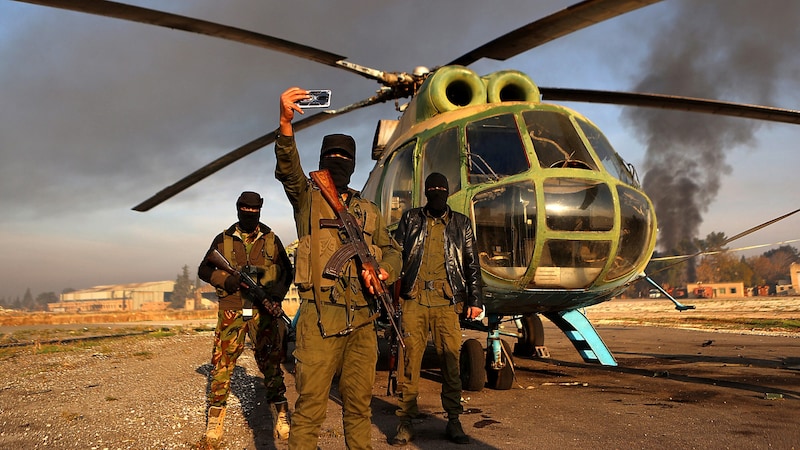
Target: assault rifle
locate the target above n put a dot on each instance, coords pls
(354, 247)
(255, 291)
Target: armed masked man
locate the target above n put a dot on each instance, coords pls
(335, 328)
(250, 247)
(441, 279)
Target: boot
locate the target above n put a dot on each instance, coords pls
(216, 415)
(454, 431)
(405, 434)
(280, 420)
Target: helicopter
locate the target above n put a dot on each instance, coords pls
(561, 220)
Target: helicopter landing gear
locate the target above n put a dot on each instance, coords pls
(473, 375)
(500, 371)
(530, 341)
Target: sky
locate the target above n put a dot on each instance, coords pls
(99, 114)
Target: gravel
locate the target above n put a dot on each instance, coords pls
(148, 392)
(126, 393)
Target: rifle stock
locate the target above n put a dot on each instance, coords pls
(354, 247)
(217, 259)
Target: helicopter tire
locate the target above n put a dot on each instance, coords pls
(502, 379)
(471, 364)
(532, 336)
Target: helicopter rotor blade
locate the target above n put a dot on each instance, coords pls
(544, 30)
(684, 258)
(250, 147)
(674, 102)
(168, 20)
(174, 21)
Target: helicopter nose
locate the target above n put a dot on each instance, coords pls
(574, 245)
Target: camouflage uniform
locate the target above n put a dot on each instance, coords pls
(266, 332)
(328, 306)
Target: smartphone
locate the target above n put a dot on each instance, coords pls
(320, 98)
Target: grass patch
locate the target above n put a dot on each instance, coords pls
(750, 323)
(143, 355)
(163, 332)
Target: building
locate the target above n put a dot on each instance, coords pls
(150, 296)
(794, 273)
(716, 290)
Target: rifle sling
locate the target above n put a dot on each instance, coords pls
(316, 279)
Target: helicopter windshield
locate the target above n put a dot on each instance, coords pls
(505, 229)
(574, 204)
(441, 154)
(609, 158)
(494, 149)
(555, 140)
(636, 227)
(396, 191)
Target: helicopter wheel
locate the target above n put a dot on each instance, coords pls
(502, 379)
(532, 336)
(473, 375)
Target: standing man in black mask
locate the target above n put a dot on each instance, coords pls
(249, 246)
(441, 280)
(335, 329)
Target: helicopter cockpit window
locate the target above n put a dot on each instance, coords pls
(397, 184)
(441, 153)
(505, 229)
(608, 157)
(636, 228)
(494, 149)
(556, 142)
(575, 204)
(570, 263)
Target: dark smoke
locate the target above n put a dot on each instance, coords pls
(732, 50)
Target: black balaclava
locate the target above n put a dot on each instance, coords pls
(436, 190)
(248, 221)
(340, 168)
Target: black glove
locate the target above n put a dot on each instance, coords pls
(232, 283)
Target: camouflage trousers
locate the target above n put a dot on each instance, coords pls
(266, 334)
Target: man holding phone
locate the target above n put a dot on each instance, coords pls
(335, 329)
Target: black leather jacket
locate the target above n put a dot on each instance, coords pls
(463, 269)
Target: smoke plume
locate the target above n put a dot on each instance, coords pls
(733, 50)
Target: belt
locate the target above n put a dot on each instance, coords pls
(353, 307)
(432, 285)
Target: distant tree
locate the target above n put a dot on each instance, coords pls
(68, 290)
(722, 268)
(44, 298)
(184, 289)
(773, 266)
(28, 303)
